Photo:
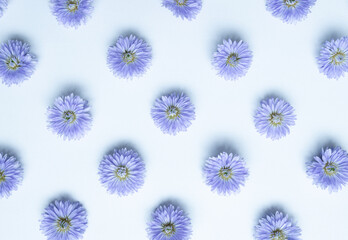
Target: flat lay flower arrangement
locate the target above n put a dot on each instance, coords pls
(133, 142)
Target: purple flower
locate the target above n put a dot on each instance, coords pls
(169, 223)
(330, 171)
(129, 57)
(225, 173)
(69, 117)
(290, 11)
(16, 62)
(173, 113)
(122, 172)
(3, 6)
(11, 175)
(274, 117)
(277, 227)
(232, 59)
(183, 8)
(72, 13)
(332, 60)
(64, 220)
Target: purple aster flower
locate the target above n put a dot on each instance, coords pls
(72, 13)
(330, 171)
(64, 220)
(173, 113)
(277, 227)
(122, 172)
(225, 173)
(169, 223)
(332, 60)
(129, 57)
(232, 59)
(183, 8)
(3, 6)
(11, 175)
(16, 62)
(274, 117)
(290, 11)
(69, 117)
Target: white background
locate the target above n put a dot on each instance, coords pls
(284, 65)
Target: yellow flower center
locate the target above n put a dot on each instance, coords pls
(181, 3)
(73, 5)
(338, 58)
(275, 119)
(13, 63)
(232, 59)
(278, 235)
(291, 3)
(122, 173)
(69, 116)
(172, 112)
(330, 169)
(63, 224)
(2, 176)
(225, 173)
(168, 229)
(128, 57)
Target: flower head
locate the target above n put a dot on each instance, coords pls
(332, 60)
(277, 227)
(290, 11)
(129, 57)
(64, 220)
(72, 13)
(173, 113)
(122, 172)
(232, 59)
(186, 9)
(169, 223)
(274, 117)
(330, 171)
(69, 117)
(16, 62)
(3, 6)
(225, 173)
(11, 174)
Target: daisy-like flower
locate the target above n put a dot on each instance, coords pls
(274, 117)
(64, 220)
(169, 223)
(332, 60)
(3, 6)
(290, 11)
(277, 227)
(186, 9)
(70, 117)
(16, 62)
(225, 173)
(330, 171)
(129, 57)
(11, 174)
(122, 172)
(72, 13)
(232, 59)
(173, 113)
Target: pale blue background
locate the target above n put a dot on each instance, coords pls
(283, 65)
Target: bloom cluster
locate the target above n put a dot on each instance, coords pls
(332, 60)
(122, 172)
(69, 117)
(16, 62)
(11, 174)
(64, 220)
(290, 11)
